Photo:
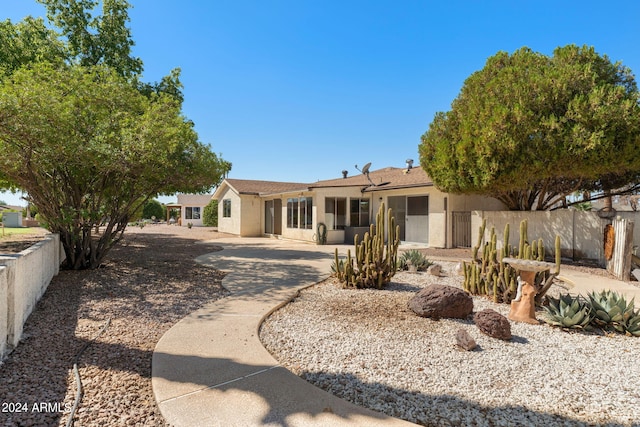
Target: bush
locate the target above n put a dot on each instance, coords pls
(153, 208)
(210, 214)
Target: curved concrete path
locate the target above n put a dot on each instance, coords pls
(210, 369)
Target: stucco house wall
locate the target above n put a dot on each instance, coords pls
(335, 235)
(432, 225)
(230, 224)
(251, 213)
(192, 208)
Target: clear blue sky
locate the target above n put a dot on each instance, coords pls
(300, 90)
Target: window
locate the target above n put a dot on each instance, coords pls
(226, 208)
(300, 212)
(359, 212)
(292, 213)
(306, 213)
(192, 212)
(335, 210)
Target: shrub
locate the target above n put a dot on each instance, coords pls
(210, 214)
(153, 208)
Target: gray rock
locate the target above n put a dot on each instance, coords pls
(441, 301)
(494, 324)
(435, 269)
(464, 340)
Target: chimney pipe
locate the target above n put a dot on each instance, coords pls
(409, 164)
(345, 173)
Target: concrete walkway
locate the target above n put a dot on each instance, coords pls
(583, 283)
(210, 369)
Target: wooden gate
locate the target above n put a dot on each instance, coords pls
(461, 229)
(619, 242)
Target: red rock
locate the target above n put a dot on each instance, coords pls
(441, 301)
(494, 324)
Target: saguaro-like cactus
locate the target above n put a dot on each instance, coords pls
(376, 256)
(487, 274)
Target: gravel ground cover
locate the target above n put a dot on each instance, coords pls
(147, 284)
(367, 347)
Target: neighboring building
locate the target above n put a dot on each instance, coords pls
(11, 215)
(347, 206)
(191, 208)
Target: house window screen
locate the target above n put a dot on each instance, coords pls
(335, 210)
(192, 212)
(359, 212)
(300, 212)
(292, 213)
(226, 208)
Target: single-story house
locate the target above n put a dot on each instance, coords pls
(191, 207)
(347, 206)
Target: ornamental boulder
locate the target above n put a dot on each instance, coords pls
(494, 324)
(442, 301)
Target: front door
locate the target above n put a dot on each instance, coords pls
(417, 221)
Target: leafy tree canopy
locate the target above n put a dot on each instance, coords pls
(28, 42)
(83, 135)
(530, 129)
(89, 148)
(93, 40)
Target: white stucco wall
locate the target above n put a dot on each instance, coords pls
(23, 280)
(229, 224)
(251, 214)
(4, 312)
(581, 233)
(191, 201)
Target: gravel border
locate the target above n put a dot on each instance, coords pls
(367, 347)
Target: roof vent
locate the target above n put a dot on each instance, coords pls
(409, 164)
(345, 173)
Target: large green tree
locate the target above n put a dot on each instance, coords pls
(91, 40)
(89, 148)
(83, 135)
(529, 129)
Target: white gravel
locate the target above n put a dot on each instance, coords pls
(367, 347)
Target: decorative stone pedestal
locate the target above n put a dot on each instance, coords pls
(523, 307)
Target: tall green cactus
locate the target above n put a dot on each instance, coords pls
(489, 275)
(376, 256)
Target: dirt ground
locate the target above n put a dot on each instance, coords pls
(14, 243)
(147, 284)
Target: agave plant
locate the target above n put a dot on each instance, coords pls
(631, 326)
(611, 309)
(568, 311)
(415, 258)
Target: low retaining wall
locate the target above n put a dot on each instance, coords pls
(24, 278)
